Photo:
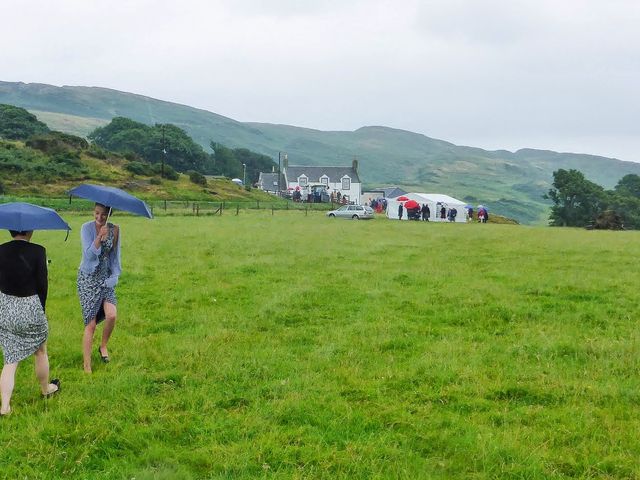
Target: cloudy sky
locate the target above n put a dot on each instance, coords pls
(559, 75)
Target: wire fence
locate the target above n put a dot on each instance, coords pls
(182, 207)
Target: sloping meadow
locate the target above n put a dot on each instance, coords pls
(295, 346)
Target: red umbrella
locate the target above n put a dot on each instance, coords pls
(402, 199)
(412, 204)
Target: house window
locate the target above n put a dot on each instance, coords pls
(302, 181)
(324, 181)
(346, 183)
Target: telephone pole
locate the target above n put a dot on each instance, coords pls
(164, 154)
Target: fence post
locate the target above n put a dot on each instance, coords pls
(221, 208)
(258, 204)
(306, 210)
(197, 210)
(237, 209)
(165, 205)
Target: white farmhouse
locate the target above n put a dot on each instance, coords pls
(343, 180)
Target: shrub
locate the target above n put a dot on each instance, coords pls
(197, 177)
(139, 168)
(18, 124)
(57, 142)
(169, 172)
(96, 152)
(608, 220)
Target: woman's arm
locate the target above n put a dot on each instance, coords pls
(88, 237)
(114, 259)
(42, 280)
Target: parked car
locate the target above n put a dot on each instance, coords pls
(356, 212)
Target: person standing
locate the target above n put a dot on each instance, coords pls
(23, 324)
(400, 212)
(97, 277)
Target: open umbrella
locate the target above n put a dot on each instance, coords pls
(411, 204)
(402, 199)
(23, 217)
(112, 197)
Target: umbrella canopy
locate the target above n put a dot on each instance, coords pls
(468, 206)
(112, 197)
(412, 204)
(23, 217)
(402, 199)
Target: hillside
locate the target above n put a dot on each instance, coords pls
(33, 172)
(512, 183)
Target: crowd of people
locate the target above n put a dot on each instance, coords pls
(414, 211)
(24, 327)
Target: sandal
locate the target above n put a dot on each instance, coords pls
(105, 358)
(55, 382)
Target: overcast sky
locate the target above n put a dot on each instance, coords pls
(552, 74)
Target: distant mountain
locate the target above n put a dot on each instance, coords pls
(510, 183)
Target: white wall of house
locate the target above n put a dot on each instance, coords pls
(353, 191)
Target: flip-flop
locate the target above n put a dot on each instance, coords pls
(55, 382)
(105, 358)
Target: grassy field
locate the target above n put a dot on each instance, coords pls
(294, 346)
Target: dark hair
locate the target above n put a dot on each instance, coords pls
(106, 207)
(15, 233)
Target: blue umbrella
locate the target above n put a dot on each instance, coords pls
(23, 217)
(112, 197)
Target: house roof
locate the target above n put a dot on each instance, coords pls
(314, 173)
(392, 192)
(269, 181)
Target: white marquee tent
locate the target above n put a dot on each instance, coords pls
(435, 201)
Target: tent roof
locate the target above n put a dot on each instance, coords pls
(434, 198)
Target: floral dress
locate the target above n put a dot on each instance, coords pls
(91, 286)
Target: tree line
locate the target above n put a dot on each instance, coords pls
(170, 144)
(578, 202)
(147, 147)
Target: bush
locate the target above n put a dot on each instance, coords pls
(139, 168)
(155, 181)
(197, 177)
(58, 142)
(608, 220)
(18, 124)
(96, 152)
(169, 172)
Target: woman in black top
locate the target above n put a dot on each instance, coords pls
(23, 324)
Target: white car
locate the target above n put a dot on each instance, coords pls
(356, 212)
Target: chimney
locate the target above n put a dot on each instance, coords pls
(354, 165)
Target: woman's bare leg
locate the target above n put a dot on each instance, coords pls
(42, 370)
(110, 313)
(7, 381)
(87, 343)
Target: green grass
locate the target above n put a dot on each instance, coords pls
(294, 346)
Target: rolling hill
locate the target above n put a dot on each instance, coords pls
(512, 183)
